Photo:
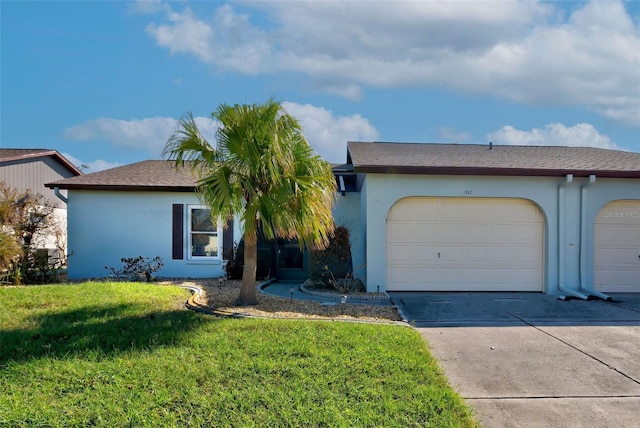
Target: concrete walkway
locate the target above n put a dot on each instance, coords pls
(530, 360)
(285, 289)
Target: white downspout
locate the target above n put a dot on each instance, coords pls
(583, 240)
(561, 222)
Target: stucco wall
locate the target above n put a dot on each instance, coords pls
(384, 190)
(347, 213)
(104, 227)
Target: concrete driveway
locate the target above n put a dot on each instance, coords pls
(531, 360)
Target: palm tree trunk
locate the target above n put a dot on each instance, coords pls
(248, 296)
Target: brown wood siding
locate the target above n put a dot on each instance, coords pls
(32, 174)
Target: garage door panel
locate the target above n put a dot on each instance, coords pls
(606, 257)
(472, 279)
(401, 275)
(403, 212)
(451, 210)
(615, 234)
(499, 254)
(467, 244)
(399, 254)
(449, 254)
(501, 232)
(422, 211)
(475, 254)
(617, 247)
(423, 254)
(527, 233)
(476, 232)
(526, 255)
(516, 212)
(399, 231)
(423, 231)
(449, 232)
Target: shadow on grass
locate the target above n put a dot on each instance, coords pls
(96, 330)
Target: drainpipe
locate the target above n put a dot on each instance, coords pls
(561, 222)
(60, 196)
(583, 241)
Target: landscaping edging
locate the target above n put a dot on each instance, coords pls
(332, 295)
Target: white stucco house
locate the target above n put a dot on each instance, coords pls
(433, 217)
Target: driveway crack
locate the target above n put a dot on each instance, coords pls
(577, 349)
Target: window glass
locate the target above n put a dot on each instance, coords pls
(201, 220)
(203, 233)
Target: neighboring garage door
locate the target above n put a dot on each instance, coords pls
(464, 244)
(617, 247)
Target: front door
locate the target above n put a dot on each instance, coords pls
(291, 262)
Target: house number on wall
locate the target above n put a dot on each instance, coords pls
(468, 192)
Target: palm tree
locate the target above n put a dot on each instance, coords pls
(263, 170)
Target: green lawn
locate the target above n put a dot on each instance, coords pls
(122, 354)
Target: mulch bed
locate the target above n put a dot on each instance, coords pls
(221, 297)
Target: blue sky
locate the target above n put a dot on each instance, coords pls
(104, 82)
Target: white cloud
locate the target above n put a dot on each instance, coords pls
(526, 51)
(149, 134)
(554, 134)
(326, 132)
(452, 135)
(184, 33)
(92, 166)
(148, 7)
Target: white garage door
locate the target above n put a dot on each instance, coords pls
(464, 244)
(617, 247)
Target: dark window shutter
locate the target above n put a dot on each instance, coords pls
(227, 241)
(177, 242)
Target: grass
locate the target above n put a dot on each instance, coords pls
(129, 354)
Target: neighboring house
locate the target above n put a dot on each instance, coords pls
(28, 170)
(438, 217)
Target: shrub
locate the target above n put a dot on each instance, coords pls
(137, 268)
(234, 267)
(25, 222)
(334, 262)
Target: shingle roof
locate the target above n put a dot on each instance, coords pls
(475, 159)
(10, 155)
(402, 158)
(156, 175)
(21, 153)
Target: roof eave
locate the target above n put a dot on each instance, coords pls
(516, 172)
(121, 188)
(71, 167)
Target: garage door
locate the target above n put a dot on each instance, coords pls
(617, 247)
(464, 244)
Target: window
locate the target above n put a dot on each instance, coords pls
(203, 233)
